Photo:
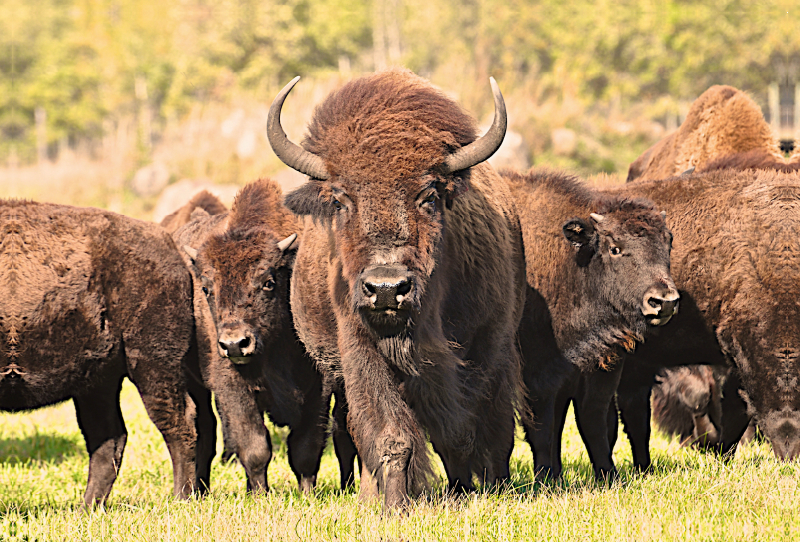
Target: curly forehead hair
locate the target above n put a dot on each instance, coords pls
(390, 123)
(638, 216)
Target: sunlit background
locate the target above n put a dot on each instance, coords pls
(132, 105)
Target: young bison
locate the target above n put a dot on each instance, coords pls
(410, 279)
(598, 276)
(250, 355)
(686, 402)
(90, 297)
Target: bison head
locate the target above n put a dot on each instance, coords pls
(386, 156)
(626, 252)
(245, 278)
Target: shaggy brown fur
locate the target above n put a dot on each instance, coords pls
(441, 359)
(585, 304)
(736, 259)
(242, 291)
(90, 297)
(686, 402)
(204, 200)
(721, 122)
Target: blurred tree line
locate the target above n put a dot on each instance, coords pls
(71, 69)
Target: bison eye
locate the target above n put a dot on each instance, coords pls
(337, 204)
(269, 285)
(615, 251)
(429, 203)
(205, 290)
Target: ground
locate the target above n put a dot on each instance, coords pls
(689, 495)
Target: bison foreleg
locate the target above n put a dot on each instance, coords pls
(384, 428)
(243, 426)
(307, 441)
(591, 415)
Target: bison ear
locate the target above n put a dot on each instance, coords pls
(460, 186)
(309, 200)
(579, 232)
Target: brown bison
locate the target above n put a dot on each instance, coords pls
(250, 355)
(598, 276)
(205, 200)
(723, 121)
(410, 279)
(90, 297)
(735, 261)
(686, 402)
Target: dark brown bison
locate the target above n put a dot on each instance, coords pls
(250, 355)
(735, 261)
(410, 279)
(686, 402)
(723, 121)
(204, 200)
(598, 276)
(90, 297)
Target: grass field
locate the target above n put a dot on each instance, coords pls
(689, 496)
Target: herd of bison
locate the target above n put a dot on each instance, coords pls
(431, 297)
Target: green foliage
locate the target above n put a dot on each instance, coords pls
(80, 60)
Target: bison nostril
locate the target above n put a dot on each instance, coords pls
(655, 302)
(223, 346)
(370, 288)
(404, 287)
(244, 343)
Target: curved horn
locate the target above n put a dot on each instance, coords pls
(596, 217)
(482, 148)
(286, 243)
(190, 251)
(294, 156)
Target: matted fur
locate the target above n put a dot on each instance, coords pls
(456, 378)
(582, 312)
(90, 297)
(237, 253)
(204, 200)
(736, 259)
(722, 121)
(682, 397)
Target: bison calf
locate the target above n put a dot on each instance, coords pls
(250, 355)
(90, 297)
(598, 275)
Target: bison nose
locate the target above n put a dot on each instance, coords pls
(660, 304)
(236, 345)
(387, 287)
(786, 440)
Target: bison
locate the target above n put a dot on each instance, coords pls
(90, 297)
(250, 355)
(598, 278)
(724, 130)
(203, 201)
(686, 402)
(409, 282)
(735, 262)
(723, 121)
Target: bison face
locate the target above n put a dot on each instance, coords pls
(245, 278)
(626, 255)
(387, 236)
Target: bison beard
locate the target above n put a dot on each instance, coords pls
(404, 214)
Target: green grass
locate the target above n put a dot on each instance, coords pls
(689, 495)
